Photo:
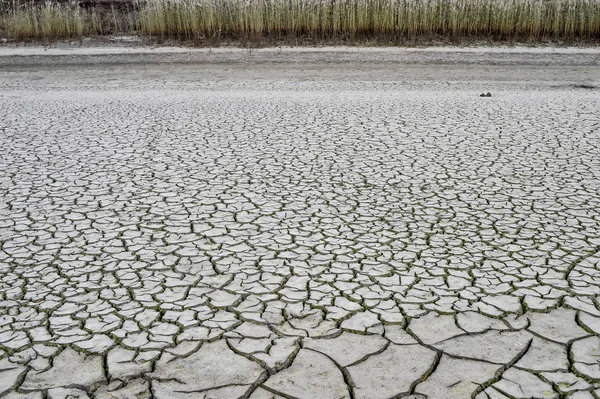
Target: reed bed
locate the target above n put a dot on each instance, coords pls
(46, 21)
(327, 20)
(355, 19)
(50, 21)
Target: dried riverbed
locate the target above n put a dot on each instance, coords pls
(296, 223)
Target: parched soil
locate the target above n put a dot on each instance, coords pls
(299, 223)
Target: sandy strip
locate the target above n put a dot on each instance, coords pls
(9, 51)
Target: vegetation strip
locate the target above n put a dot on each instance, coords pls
(377, 21)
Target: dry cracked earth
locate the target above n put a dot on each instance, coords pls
(183, 230)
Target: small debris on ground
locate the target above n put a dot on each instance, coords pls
(584, 86)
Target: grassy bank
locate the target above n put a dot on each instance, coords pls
(376, 21)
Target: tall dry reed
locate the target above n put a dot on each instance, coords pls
(46, 21)
(374, 20)
(504, 19)
(49, 21)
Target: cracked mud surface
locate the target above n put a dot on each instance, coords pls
(193, 231)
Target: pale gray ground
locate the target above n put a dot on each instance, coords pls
(223, 226)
